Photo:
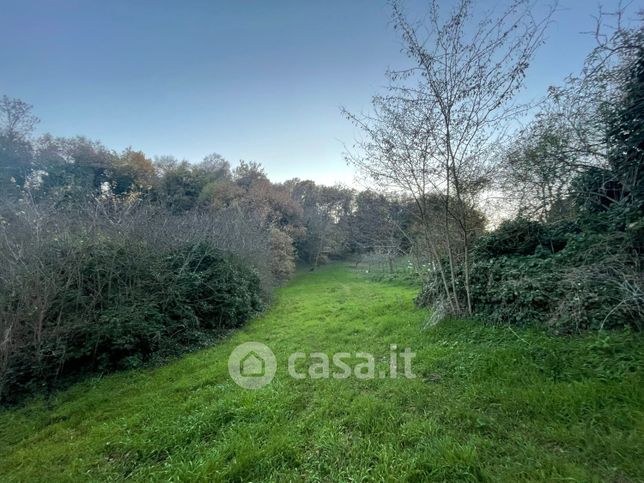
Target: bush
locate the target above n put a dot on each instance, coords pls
(513, 237)
(569, 276)
(112, 304)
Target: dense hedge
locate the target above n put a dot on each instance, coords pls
(118, 304)
(571, 276)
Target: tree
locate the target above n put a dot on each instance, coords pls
(72, 169)
(536, 173)
(325, 213)
(379, 224)
(132, 171)
(179, 186)
(16, 119)
(434, 132)
(626, 131)
(216, 176)
(247, 174)
(16, 126)
(586, 131)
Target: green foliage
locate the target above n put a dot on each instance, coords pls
(595, 189)
(283, 256)
(220, 290)
(568, 276)
(513, 237)
(15, 163)
(487, 404)
(118, 304)
(626, 131)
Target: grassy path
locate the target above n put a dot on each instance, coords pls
(488, 404)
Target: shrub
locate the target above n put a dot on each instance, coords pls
(569, 276)
(113, 304)
(513, 237)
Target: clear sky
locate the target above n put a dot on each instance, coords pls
(257, 80)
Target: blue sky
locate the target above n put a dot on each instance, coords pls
(256, 80)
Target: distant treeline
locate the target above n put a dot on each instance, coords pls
(109, 260)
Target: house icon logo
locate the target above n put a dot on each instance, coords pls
(252, 365)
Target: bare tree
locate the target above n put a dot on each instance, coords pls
(435, 130)
(16, 119)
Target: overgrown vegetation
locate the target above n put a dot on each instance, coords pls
(573, 258)
(99, 298)
(566, 276)
(571, 255)
(111, 260)
(489, 403)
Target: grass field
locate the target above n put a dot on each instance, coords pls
(487, 404)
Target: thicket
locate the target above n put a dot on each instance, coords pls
(83, 294)
(569, 276)
(577, 262)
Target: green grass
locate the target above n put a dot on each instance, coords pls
(489, 403)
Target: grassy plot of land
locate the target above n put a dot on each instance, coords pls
(487, 404)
